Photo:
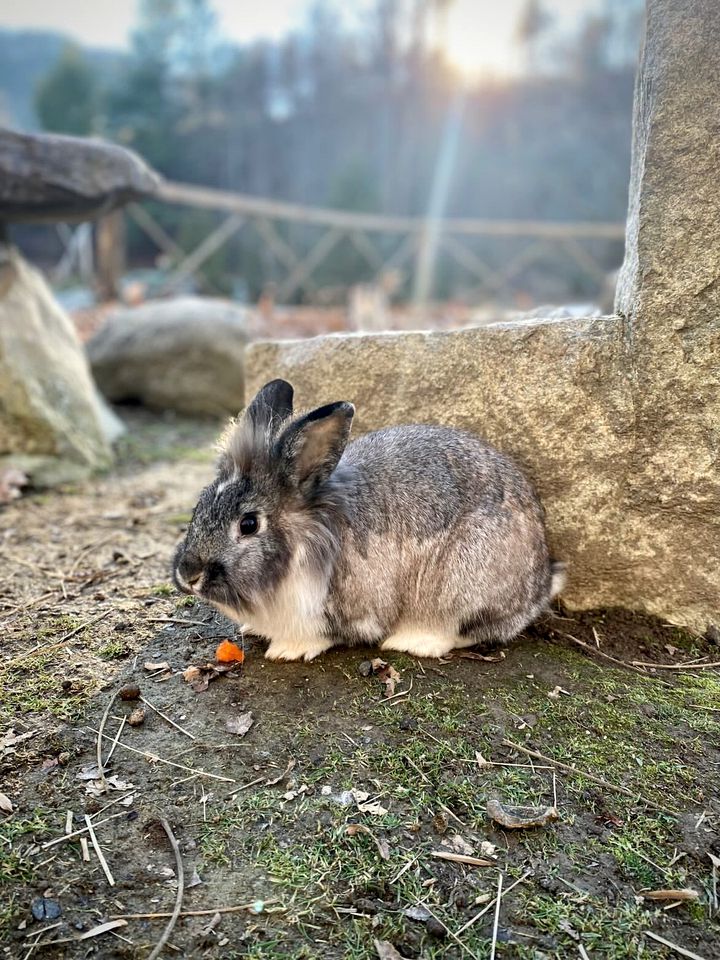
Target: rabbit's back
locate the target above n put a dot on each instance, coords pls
(443, 529)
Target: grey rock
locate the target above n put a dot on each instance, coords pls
(185, 354)
(45, 177)
(52, 425)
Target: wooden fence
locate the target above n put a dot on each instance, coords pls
(385, 243)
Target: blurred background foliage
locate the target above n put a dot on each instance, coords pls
(349, 112)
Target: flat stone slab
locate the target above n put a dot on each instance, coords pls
(47, 177)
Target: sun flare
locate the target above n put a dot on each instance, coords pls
(477, 37)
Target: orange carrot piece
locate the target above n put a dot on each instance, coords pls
(229, 652)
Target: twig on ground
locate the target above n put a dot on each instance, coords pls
(95, 932)
(98, 851)
(81, 830)
(676, 666)
(489, 906)
(180, 874)
(123, 721)
(85, 849)
(193, 913)
(462, 858)
(98, 742)
(405, 869)
(673, 946)
(170, 763)
(165, 717)
(583, 952)
(605, 656)
(178, 620)
(453, 936)
(589, 776)
(498, 899)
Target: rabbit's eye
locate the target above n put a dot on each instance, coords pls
(249, 525)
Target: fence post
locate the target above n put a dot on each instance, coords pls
(110, 247)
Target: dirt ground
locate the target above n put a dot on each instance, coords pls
(315, 833)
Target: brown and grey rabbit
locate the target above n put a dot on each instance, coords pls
(417, 538)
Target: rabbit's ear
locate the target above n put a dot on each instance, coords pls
(250, 437)
(309, 449)
(271, 405)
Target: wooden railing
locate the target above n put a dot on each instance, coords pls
(385, 243)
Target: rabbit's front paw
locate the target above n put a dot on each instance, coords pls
(298, 650)
(420, 643)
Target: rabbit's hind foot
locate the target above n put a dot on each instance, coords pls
(419, 642)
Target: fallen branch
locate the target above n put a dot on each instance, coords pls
(98, 851)
(589, 776)
(180, 873)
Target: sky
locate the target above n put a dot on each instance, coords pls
(479, 32)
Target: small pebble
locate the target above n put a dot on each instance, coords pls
(137, 717)
(130, 692)
(365, 668)
(44, 909)
(435, 928)
(408, 723)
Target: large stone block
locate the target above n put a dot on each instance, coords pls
(558, 396)
(52, 423)
(184, 354)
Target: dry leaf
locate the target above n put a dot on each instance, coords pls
(387, 674)
(241, 724)
(157, 667)
(521, 818)
(191, 674)
(90, 772)
(683, 894)
(5, 804)
(96, 788)
(194, 880)
(458, 845)
(386, 951)
(11, 739)
(361, 797)
(275, 780)
(353, 829)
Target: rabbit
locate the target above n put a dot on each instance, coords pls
(422, 539)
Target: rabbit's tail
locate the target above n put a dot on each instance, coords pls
(558, 577)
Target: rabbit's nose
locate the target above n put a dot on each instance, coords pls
(190, 573)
